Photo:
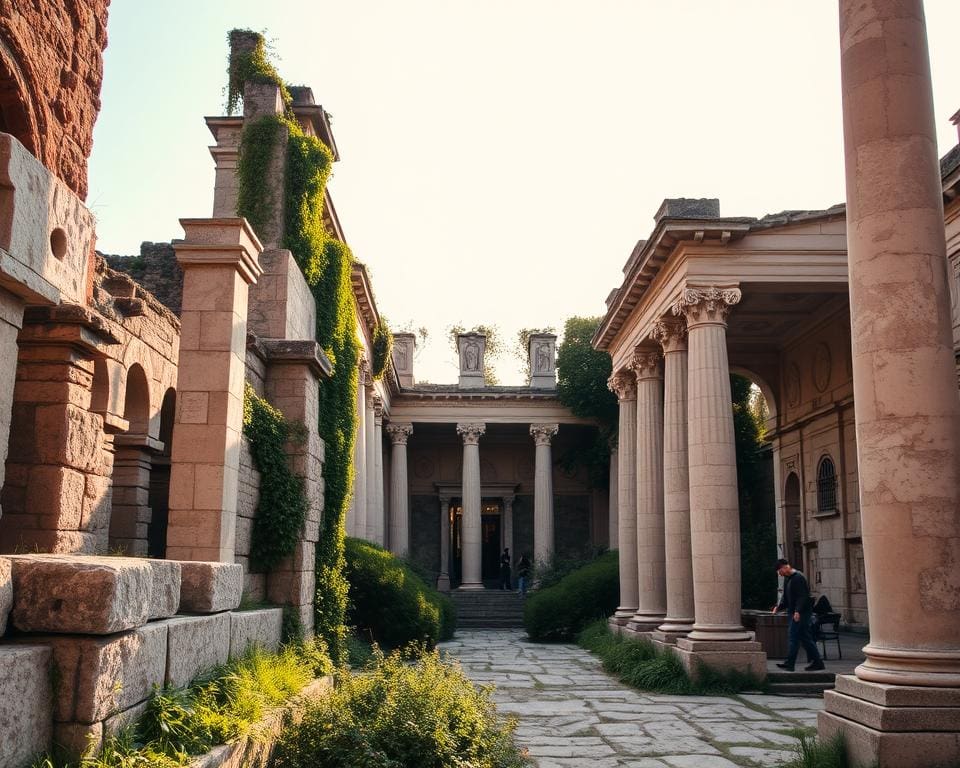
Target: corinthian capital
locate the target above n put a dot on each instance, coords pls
(471, 433)
(399, 432)
(670, 333)
(646, 364)
(623, 384)
(542, 433)
(706, 305)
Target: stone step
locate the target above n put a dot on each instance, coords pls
(488, 608)
(800, 689)
(800, 683)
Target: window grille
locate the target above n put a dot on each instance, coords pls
(826, 486)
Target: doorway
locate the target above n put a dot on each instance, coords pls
(490, 521)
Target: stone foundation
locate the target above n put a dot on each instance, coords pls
(745, 656)
(25, 703)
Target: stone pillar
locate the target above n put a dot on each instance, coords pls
(508, 524)
(613, 524)
(443, 580)
(399, 501)
(903, 705)
(374, 526)
(624, 384)
(11, 321)
(470, 534)
(672, 335)
(130, 513)
(651, 578)
(378, 506)
(718, 638)
(219, 262)
(543, 543)
(360, 457)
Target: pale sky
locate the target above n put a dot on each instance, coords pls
(499, 158)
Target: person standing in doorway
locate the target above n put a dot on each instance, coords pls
(523, 572)
(799, 608)
(505, 569)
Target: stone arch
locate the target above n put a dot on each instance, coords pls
(100, 389)
(136, 401)
(792, 531)
(17, 114)
(765, 389)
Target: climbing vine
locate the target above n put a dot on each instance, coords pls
(382, 347)
(326, 264)
(282, 508)
(249, 62)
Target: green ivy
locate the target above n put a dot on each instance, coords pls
(251, 66)
(256, 157)
(326, 264)
(282, 508)
(382, 347)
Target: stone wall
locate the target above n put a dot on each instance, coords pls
(51, 67)
(156, 270)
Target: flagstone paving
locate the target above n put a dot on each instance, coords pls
(571, 713)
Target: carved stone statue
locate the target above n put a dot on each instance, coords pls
(542, 358)
(471, 356)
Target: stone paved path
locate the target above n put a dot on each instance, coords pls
(572, 714)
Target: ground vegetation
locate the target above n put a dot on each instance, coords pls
(559, 611)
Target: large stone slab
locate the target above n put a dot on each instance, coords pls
(166, 588)
(195, 644)
(6, 592)
(97, 677)
(255, 628)
(210, 587)
(81, 594)
(25, 703)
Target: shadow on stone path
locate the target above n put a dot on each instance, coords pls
(571, 713)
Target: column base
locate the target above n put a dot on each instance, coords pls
(643, 625)
(744, 656)
(667, 637)
(471, 585)
(443, 583)
(890, 726)
(622, 616)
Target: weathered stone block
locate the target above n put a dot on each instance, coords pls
(70, 436)
(210, 587)
(83, 594)
(100, 676)
(166, 588)
(6, 593)
(255, 628)
(195, 644)
(25, 703)
(55, 494)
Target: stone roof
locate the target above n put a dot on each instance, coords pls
(950, 162)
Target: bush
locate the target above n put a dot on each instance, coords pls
(399, 714)
(810, 753)
(561, 611)
(391, 603)
(640, 663)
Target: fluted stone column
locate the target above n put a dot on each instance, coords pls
(718, 637)
(443, 579)
(651, 575)
(903, 706)
(672, 335)
(360, 457)
(374, 531)
(624, 385)
(470, 535)
(543, 536)
(378, 505)
(399, 502)
(613, 532)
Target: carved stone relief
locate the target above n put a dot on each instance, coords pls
(793, 385)
(822, 366)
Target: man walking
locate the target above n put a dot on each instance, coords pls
(799, 607)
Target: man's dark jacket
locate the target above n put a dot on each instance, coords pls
(796, 594)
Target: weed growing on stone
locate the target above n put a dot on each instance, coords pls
(401, 712)
(811, 753)
(643, 665)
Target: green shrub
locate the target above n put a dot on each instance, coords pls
(811, 753)
(561, 611)
(641, 664)
(390, 602)
(398, 714)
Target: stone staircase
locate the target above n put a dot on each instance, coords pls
(488, 608)
(800, 683)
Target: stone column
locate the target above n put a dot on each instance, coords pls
(613, 524)
(651, 578)
(374, 527)
(470, 535)
(219, 262)
(672, 335)
(360, 457)
(624, 384)
(399, 501)
(508, 524)
(378, 506)
(543, 537)
(903, 705)
(718, 637)
(443, 580)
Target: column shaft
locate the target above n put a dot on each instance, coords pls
(399, 502)
(543, 533)
(613, 524)
(374, 525)
(651, 579)
(443, 580)
(360, 461)
(378, 505)
(470, 534)
(624, 385)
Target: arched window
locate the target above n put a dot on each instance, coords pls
(826, 486)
